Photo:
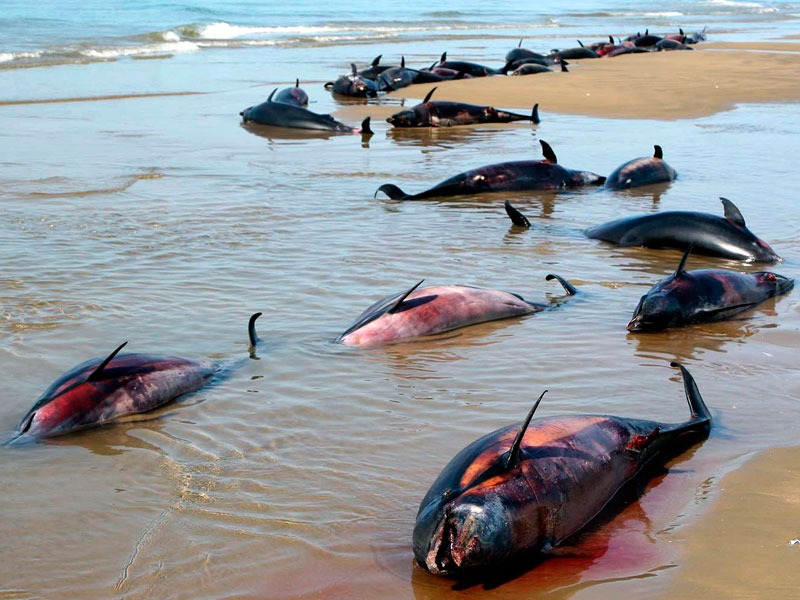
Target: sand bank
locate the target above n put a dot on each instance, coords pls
(663, 85)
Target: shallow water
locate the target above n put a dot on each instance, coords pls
(162, 221)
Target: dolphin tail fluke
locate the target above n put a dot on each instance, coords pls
(365, 128)
(535, 114)
(568, 287)
(517, 218)
(394, 192)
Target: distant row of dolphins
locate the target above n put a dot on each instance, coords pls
(526, 487)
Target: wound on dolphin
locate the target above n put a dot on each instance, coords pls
(528, 487)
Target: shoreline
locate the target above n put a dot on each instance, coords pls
(703, 82)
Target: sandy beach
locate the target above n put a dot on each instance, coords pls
(137, 207)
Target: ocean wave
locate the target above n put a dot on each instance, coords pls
(147, 50)
(756, 7)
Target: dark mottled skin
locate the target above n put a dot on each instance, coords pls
(441, 113)
(704, 295)
(478, 513)
(129, 384)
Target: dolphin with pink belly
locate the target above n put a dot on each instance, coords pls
(101, 390)
(510, 176)
(426, 311)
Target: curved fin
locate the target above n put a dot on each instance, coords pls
(251, 331)
(377, 310)
(732, 213)
(271, 95)
(297, 82)
(96, 373)
(580, 43)
(402, 62)
(520, 43)
(564, 68)
(353, 70)
(396, 306)
(611, 40)
(376, 60)
(365, 128)
(680, 29)
(568, 287)
(512, 459)
(535, 114)
(682, 266)
(391, 190)
(659, 153)
(443, 59)
(428, 96)
(549, 155)
(698, 407)
(517, 218)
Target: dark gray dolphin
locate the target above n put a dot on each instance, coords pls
(725, 236)
(354, 85)
(441, 113)
(528, 487)
(520, 175)
(280, 114)
(641, 171)
(704, 295)
(470, 68)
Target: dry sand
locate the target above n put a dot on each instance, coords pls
(663, 85)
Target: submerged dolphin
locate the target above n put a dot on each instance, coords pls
(519, 175)
(434, 309)
(641, 171)
(704, 295)
(101, 390)
(527, 487)
(441, 113)
(726, 236)
(281, 114)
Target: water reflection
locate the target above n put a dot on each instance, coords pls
(446, 137)
(291, 134)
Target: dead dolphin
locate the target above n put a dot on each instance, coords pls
(441, 113)
(435, 309)
(726, 236)
(520, 175)
(469, 68)
(354, 84)
(101, 390)
(704, 295)
(280, 114)
(641, 171)
(528, 487)
(293, 95)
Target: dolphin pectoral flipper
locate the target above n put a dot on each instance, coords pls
(719, 314)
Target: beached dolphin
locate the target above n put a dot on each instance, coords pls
(527, 487)
(519, 53)
(354, 84)
(711, 235)
(641, 171)
(293, 95)
(519, 175)
(704, 295)
(470, 68)
(101, 390)
(434, 309)
(535, 68)
(441, 113)
(280, 114)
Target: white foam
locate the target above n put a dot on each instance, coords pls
(758, 6)
(9, 56)
(165, 48)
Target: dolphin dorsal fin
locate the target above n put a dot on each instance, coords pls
(251, 330)
(512, 460)
(96, 373)
(549, 155)
(680, 29)
(520, 43)
(659, 153)
(353, 69)
(580, 43)
(682, 266)
(376, 60)
(297, 82)
(271, 95)
(732, 213)
(402, 62)
(428, 96)
(535, 114)
(396, 306)
(443, 59)
(611, 39)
